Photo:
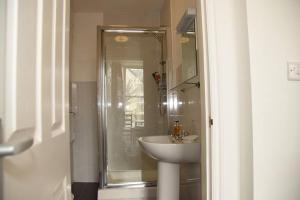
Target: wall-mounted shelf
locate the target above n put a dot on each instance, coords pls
(188, 84)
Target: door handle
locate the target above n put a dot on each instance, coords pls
(15, 146)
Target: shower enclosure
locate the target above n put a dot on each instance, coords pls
(132, 102)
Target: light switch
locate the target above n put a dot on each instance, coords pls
(294, 71)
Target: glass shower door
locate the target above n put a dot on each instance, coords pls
(134, 103)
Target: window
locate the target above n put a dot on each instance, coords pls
(134, 97)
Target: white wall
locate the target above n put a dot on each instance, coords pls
(84, 46)
(2, 47)
(135, 18)
(260, 36)
(274, 38)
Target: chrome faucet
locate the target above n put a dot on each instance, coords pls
(178, 137)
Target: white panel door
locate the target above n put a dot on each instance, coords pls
(34, 99)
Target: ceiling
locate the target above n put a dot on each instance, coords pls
(116, 5)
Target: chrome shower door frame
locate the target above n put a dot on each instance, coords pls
(101, 101)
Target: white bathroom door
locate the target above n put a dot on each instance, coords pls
(34, 76)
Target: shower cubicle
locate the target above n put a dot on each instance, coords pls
(132, 102)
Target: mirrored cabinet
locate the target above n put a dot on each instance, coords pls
(184, 67)
(188, 53)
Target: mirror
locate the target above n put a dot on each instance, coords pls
(187, 42)
(188, 53)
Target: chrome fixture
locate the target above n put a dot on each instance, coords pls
(103, 109)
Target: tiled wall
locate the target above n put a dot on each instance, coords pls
(84, 135)
(184, 106)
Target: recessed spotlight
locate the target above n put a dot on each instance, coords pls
(121, 38)
(184, 39)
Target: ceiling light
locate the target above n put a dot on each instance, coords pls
(184, 40)
(121, 38)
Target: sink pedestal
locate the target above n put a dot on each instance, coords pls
(168, 181)
(169, 156)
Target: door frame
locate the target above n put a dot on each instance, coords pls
(225, 95)
(209, 141)
(2, 72)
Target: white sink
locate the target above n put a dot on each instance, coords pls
(162, 148)
(169, 156)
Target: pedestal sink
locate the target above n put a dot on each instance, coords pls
(169, 156)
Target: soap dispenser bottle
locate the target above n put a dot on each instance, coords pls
(176, 129)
